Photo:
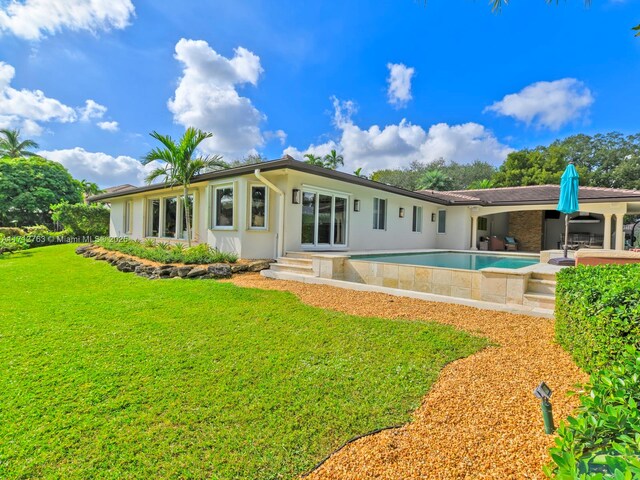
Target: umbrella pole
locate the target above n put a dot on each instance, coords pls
(566, 234)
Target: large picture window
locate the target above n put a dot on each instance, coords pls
(223, 207)
(442, 221)
(416, 224)
(259, 207)
(153, 218)
(128, 217)
(170, 217)
(324, 218)
(379, 214)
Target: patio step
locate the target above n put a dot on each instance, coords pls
(306, 255)
(551, 276)
(536, 285)
(540, 300)
(298, 265)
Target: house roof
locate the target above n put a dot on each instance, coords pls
(529, 195)
(118, 188)
(535, 194)
(284, 163)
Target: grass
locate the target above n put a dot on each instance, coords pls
(108, 375)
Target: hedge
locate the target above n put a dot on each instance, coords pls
(81, 219)
(602, 441)
(598, 312)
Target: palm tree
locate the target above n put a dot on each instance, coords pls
(179, 165)
(89, 189)
(12, 147)
(333, 160)
(311, 159)
(435, 180)
(480, 184)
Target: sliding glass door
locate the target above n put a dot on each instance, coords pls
(324, 219)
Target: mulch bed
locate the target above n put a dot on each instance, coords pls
(480, 419)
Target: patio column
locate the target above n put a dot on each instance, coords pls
(474, 232)
(606, 244)
(619, 231)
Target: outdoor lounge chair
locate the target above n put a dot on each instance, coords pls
(510, 244)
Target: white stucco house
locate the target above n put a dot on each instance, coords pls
(267, 209)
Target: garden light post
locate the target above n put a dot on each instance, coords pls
(543, 392)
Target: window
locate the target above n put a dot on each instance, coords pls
(379, 214)
(482, 223)
(416, 225)
(170, 217)
(223, 207)
(190, 204)
(340, 220)
(128, 217)
(153, 218)
(259, 208)
(308, 217)
(442, 221)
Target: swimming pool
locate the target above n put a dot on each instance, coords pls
(459, 260)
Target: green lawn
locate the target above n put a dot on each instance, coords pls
(108, 375)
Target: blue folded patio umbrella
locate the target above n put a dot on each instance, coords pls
(568, 201)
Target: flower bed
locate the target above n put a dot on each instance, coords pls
(155, 270)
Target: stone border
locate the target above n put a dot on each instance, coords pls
(146, 268)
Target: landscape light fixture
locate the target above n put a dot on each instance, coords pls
(356, 205)
(401, 212)
(295, 198)
(543, 392)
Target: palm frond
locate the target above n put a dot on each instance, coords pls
(160, 154)
(157, 173)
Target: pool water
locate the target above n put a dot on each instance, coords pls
(464, 261)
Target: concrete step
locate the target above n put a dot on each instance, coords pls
(551, 276)
(540, 300)
(298, 255)
(541, 286)
(298, 261)
(298, 269)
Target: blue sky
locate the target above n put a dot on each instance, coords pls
(383, 82)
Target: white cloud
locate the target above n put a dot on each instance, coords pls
(24, 109)
(91, 110)
(546, 104)
(394, 146)
(99, 167)
(207, 97)
(32, 19)
(108, 126)
(280, 135)
(399, 80)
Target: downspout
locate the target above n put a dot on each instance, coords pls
(280, 234)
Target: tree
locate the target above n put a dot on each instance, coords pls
(89, 189)
(435, 180)
(82, 220)
(180, 166)
(496, 6)
(12, 147)
(312, 159)
(480, 184)
(333, 160)
(28, 188)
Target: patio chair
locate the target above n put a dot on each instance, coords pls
(510, 244)
(496, 244)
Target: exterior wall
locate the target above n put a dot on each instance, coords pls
(527, 227)
(361, 236)
(116, 219)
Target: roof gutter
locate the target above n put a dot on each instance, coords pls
(280, 234)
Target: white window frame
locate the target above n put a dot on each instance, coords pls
(250, 207)
(148, 220)
(162, 215)
(214, 210)
(444, 232)
(417, 215)
(333, 194)
(128, 217)
(376, 218)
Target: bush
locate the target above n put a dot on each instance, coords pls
(167, 253)
(81, 219)
(597, 312)
(12, 232)
(603, 440)
(40, 236)
(12, 244)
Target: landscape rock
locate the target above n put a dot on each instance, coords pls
(219, 270)
(184, 270)
(258, 265)
(197, 271)
(239, 267)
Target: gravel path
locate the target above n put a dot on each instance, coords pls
(480, 419)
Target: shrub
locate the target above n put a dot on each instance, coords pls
(597, 312)
(603, 440)
(12, 232)
(163, 252)
(40, 236)
(81, 219)
(12, 244)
